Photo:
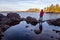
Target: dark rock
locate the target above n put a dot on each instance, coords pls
(31, 20)
(4, 27)
(27, 26)
(14, 17)
(4, 19)
(28, 19)
(55, 22)
(22, 19)
(1, 34)
(7, 21)
(52, 37)
(34, 21)
(37, 31)
(31, 29)
(57, 31)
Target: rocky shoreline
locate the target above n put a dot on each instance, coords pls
(13, 19)
(55, 22)
(7, 21)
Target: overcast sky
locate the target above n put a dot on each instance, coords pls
(13, 5)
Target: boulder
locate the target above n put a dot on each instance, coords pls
(34, 21)
(14, 17)
(28, 19)
(31, 20)
(7, 21)
(4, 19)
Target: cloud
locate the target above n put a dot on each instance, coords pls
(25, 4)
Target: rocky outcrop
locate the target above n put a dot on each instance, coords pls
(7, 21)
(14, 17)
(55, 22)
(31, 20)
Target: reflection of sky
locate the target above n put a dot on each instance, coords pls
(25, 4)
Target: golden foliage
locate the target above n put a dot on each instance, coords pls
(33, 10)
(52, 8)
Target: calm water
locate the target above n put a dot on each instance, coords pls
(20, 32)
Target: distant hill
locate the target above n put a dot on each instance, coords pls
(33, 10)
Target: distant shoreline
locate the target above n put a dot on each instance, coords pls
(25, 11)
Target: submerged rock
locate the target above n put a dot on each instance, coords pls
(57, 31)
(31, 20)
(37, 31)
(55, 22)
(27, 26)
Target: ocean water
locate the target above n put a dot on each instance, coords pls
(20, 32)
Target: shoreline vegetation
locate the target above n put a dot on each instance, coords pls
(50, 9)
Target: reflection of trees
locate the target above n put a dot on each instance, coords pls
(52, 8)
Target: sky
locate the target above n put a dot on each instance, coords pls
(14, 5)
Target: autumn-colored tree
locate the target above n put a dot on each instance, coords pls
(52, 8)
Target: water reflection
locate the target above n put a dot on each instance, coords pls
(23, 32)
(39, 30)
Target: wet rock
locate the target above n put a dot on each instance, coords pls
(28, 19)
(55, 22)
(4, 19)
(34, 21)
(7, 21)
(4, 27)
(31, 29)
(52, 37)
(1, 34)
(57, 31)
(37, 31)
(14, 17)
(31, 20)
(22, 19)
(27, 26)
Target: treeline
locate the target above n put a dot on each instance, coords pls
(33, 10)
(52, 8)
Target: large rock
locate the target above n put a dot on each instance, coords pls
(28, 19)
(55, 22)
(3, 28)
(7, 21)
(14, 17)
(4, 19)
(31, 20)
(34, 21)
